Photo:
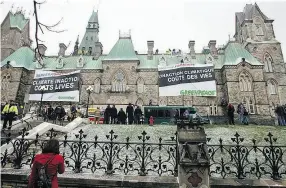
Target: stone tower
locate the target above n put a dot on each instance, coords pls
(15, 30)
(255, 31)
(90, 44)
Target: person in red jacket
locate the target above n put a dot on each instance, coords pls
(50, 154)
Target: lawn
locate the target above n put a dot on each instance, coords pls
(226, 132)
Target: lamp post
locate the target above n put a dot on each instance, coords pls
(89, 89)
(42, 88)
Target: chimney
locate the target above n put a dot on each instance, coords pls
(212, 46)
(97, 50)
(63, 48)
(192, 49)
(150, 45)
(42, 49)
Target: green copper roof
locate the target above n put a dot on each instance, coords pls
(23, 57)
(234, 52)
(18, 20)
(122, 50)
(93, 18)
(70, 62)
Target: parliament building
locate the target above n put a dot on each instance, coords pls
(250, 68)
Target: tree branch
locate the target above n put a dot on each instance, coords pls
(40, 26)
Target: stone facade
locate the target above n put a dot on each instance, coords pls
(140, 85)
(13, 37)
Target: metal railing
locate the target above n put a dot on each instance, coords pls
(143, 157)
(140, 157)
(238, 160)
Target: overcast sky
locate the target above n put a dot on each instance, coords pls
(170, 23)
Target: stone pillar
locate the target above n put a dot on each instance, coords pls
(193, 169)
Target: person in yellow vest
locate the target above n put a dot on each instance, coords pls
(10, 111)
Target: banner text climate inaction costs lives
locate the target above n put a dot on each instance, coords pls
(185, 75)
(55, 84)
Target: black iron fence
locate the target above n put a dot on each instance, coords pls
(137, 158)
(143, 157)
(238, 160)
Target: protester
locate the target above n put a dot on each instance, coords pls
(45, 113)
(230, 114)
(10, 111)
(51, 162)
(151, 121)
(97, 115)
(73, 112)
(137, 114)
(130, 113)
(107, 114)
(280, 115)
(245, 116)
(121, 116)
(113, 113)
(240, 112)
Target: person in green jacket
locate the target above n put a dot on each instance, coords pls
(10, 111)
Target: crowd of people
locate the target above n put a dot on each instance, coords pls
(111, 115)
(243, 114)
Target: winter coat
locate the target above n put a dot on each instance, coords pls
(56, 165)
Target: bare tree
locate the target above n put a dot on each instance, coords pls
(40, 26)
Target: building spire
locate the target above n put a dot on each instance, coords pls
(75, 51)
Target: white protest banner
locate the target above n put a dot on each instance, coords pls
(187, 79)
(53, 86)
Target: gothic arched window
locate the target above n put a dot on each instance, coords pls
(97, 85)
(213, 109)
(272, 87)
(118, 82)
(249, 104)
(245, 82)
(268, 63)
(140, 85)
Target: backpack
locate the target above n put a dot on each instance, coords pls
(44, 180)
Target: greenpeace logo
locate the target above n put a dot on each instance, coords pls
(198, 92)
(66, 98)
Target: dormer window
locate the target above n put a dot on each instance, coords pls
(80, 62)
(86, 38)
(162, 62)
(89, 50)
(60, 63)
(209, 59)
(186, 60)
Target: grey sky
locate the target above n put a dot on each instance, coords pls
(170, 23)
